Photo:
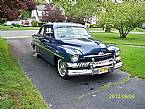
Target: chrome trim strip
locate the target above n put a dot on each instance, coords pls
(97, 55)
(50, 51)
(84, 72)
(102, 64)
(90, 71)
(72, 65)
(95, 64)
(79, 72)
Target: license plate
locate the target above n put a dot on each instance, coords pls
(103, 70)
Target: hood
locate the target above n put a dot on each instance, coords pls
(86, 46)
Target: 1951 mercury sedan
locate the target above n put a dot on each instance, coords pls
(70, 48)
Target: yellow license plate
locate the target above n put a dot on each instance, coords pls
(103, 70)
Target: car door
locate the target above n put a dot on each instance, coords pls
(37, 39)
(48, 44)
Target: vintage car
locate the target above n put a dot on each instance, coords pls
(70, 48)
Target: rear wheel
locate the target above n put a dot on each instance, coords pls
(61, 68)
(35, 52)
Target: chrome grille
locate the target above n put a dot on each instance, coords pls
(98, 63)
(99, 55)
(96, 57)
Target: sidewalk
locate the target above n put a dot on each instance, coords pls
(94, 31)
(138, 46)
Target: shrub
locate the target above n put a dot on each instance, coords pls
(2, 20)
(34, 23)
(16, 25)
(25, 14)
(41, 23)
(93, 26)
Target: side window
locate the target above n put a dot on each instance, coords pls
(48, 32)
(41, 31)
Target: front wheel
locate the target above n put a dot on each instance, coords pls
(61, 68)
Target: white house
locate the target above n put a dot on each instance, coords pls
(38, 12)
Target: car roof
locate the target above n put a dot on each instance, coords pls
(63, 24)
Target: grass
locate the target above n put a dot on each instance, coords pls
(133, 60)
(16, 90)
(7, 28)
(133, 57)
(113, 38)
(100, 29)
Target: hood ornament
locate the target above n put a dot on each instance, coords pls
(101, 54)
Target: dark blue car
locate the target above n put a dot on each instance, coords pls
(70, 48)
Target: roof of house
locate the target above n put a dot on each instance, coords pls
(40, 7)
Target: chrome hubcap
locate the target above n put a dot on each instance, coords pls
(61, 68)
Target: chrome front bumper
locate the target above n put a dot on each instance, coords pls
(92, 71)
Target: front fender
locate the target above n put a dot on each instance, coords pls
(66, 52)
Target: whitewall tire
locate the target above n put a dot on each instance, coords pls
(35, 53)
(62, 70)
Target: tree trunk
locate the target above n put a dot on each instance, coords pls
(122, 34)
(107, 29)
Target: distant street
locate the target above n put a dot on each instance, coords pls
(18, 34)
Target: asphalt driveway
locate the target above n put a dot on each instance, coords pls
(81, 92)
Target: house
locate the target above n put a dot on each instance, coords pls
(38, 12)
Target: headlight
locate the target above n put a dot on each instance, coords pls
(75, 58)
(117, 53)
(77, 51)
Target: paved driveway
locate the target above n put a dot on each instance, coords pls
(81, 92)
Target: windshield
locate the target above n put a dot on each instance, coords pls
(71, 32)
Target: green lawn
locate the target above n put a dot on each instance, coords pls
(16, 90)
(133, 60)
(6, 28)
(113, 38)
(133, 57)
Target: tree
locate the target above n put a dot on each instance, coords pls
(123, 16)
(25, 14)
(40, 1)
(79, 9)
(11, 9)
(53, 13)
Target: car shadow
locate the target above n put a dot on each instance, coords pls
(115, 76)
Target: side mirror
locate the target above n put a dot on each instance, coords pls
(34, 35)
